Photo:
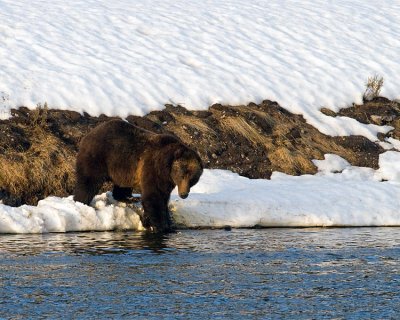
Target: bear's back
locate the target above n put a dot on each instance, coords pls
(114, 134)
(112, 139)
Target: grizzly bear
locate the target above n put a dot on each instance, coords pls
(134, 158)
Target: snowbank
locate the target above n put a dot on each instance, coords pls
(339, 195)
(354, 197)
(131, 57)
(55, 214)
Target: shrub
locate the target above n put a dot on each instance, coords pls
(373, 87)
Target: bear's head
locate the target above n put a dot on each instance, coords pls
(187, 168)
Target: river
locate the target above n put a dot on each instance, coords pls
(277, 273)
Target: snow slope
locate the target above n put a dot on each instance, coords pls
(130, 57)
(339, 195)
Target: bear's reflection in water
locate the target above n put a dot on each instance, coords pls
(95, 243)
(187, 242)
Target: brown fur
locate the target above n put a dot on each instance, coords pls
(133, 158)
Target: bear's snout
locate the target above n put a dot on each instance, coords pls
(184, 195)
(183, 189)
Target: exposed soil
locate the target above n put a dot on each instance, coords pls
(38, 147)
(380, 111)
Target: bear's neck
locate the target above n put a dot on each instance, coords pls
(162, 160)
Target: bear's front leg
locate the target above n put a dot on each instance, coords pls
(156, 214)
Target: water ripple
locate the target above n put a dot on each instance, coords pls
(271, 273)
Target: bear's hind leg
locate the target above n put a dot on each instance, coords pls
(121, 194)
(86, 188)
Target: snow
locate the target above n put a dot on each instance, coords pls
(130, 57)
(339, 195)
(55, 214)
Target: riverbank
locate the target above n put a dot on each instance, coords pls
(38, 147)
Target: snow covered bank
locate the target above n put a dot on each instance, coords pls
(55, 214)
(339, 195)
(131, 57)
(354, 197)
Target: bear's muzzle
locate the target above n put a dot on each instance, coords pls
(184, 195)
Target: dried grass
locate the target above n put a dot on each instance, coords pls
(283, 158)
(46, 168)
(261, 114)
(195, 123)
(238, 125)
(373, 86)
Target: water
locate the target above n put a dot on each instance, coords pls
(347, 273)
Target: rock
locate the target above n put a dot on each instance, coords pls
(328, 112)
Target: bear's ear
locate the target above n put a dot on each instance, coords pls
(178, 153)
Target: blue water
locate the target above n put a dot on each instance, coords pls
(349, 273)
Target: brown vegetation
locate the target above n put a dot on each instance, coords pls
(44, 166)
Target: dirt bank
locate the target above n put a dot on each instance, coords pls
(38, 147)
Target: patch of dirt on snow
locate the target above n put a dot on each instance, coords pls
(38, 147)
(379, 111)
